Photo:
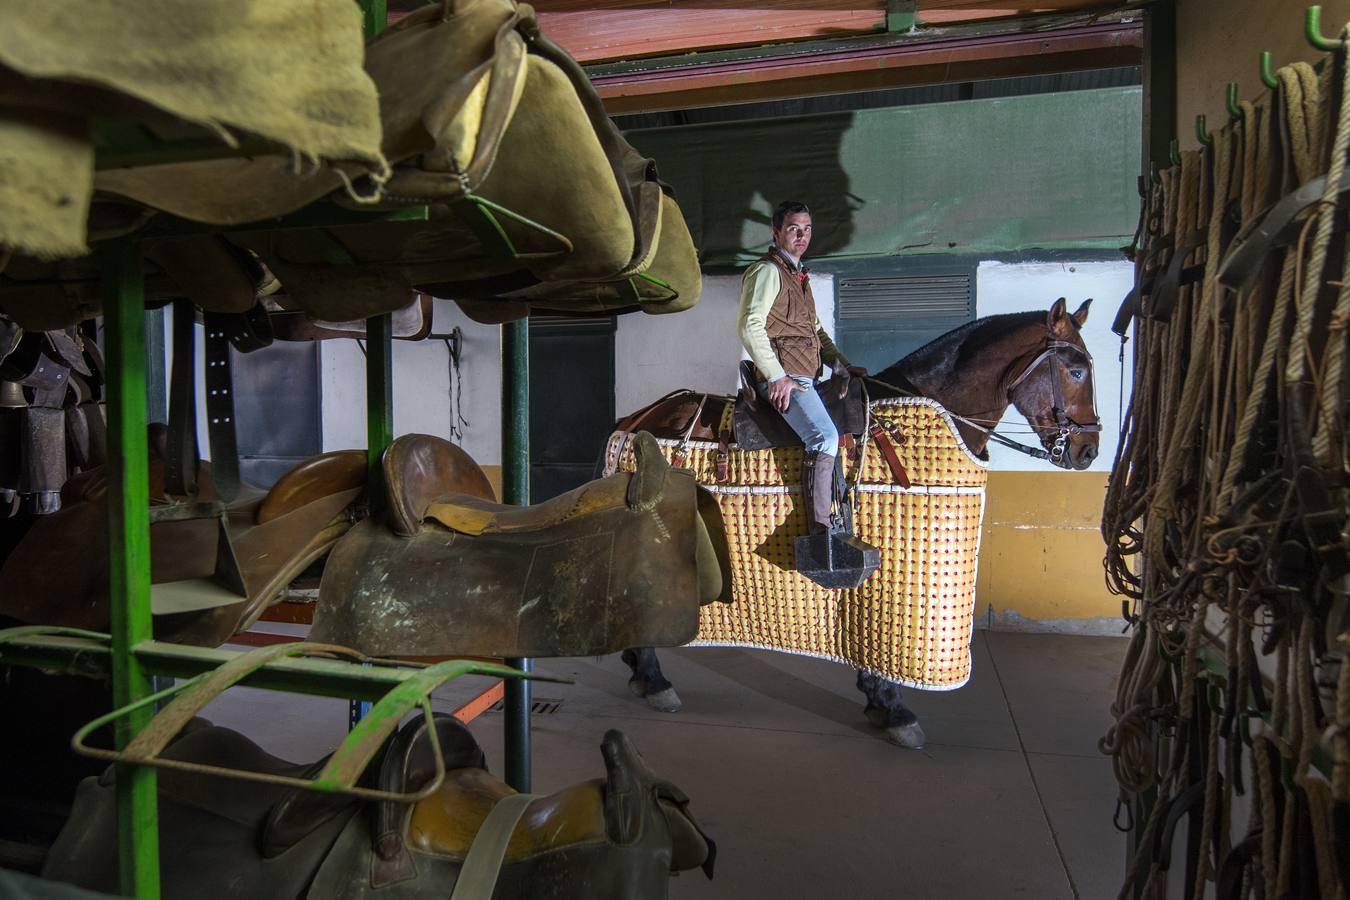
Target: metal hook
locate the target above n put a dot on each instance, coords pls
(1173, 152)
(1267, 73)
(1201, 133)
(1312, 30)
(1234, 111)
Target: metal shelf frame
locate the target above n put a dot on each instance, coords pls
(131, 656)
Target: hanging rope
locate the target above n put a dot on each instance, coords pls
(1226, 511)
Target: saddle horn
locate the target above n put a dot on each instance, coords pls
(648, 483)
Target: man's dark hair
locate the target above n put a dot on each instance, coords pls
(785, 209)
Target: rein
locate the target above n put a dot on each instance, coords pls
(1065, 427)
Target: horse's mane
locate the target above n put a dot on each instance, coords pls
(936, 361)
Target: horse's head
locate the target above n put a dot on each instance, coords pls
(1052, 387)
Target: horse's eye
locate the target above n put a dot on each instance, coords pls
(1078, 374)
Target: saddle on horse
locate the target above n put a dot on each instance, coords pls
(444, 571)
(613, 839)
(829, 554)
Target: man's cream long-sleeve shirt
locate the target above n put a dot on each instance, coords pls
(759, 289)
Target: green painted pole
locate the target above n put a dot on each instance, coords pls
(516, 490)
(374, 14)
(129, 558)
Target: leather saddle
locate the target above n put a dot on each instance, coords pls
(52, 422)
(212, 574)
(623, 561)
(758, 426)
(619, 837)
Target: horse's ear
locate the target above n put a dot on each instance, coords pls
(1081, 314)
(1055, 319)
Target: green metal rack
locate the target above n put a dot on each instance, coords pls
(129, 654)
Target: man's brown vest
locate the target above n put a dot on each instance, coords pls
(791, 323)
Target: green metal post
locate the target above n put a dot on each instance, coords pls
(516, 490)
(1160, 83)
(902, 15)
(374, 14)
(129, 558)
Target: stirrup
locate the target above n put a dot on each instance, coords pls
(837, 561)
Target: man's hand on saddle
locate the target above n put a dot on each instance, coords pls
(780, 392)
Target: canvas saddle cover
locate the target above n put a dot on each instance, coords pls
(475, 103)
(286, 74)
(619, 562)
(663, 275)
(911, 620)
(621, 836)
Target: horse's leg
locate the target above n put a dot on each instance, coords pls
(884, 710)
(648, 682)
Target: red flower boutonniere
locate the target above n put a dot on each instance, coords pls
(802, 276)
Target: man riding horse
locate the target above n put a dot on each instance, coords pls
(781, 332)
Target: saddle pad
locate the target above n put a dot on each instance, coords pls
(911, 621)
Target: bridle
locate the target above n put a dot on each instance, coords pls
(1065, 427)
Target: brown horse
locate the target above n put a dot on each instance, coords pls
(1033, 361)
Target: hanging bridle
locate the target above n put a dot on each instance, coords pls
(1065, 427)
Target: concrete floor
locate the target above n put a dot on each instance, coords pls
(1009, 799)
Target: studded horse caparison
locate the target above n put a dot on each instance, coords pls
(1036, 362)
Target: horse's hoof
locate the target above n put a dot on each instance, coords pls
(910, 736)
(666, 701)
(636, 687)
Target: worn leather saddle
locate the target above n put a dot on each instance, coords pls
(213, 570)
(52, 421)
(616, 838)
(758, 426)
(624, 561)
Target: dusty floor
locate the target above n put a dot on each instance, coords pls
(1009, 799)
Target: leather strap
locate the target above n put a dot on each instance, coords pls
(180, 462)
(725, 437)
(1169, 283)
(478, 876)
(244, 332)
(1278, 227)
(882, 439)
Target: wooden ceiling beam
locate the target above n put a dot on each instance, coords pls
(943, 61)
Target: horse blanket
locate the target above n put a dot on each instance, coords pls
(910, 621)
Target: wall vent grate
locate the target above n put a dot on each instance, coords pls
(933, 296)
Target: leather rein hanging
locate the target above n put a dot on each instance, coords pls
(1065, 427)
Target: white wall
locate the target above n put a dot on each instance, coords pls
(696, 349)
(422, 399)
(1016, 287)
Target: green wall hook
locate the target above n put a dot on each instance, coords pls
(1267, 73)
(1312, 30)
(1173, 152)
(1234, 111)
(1201, 133)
